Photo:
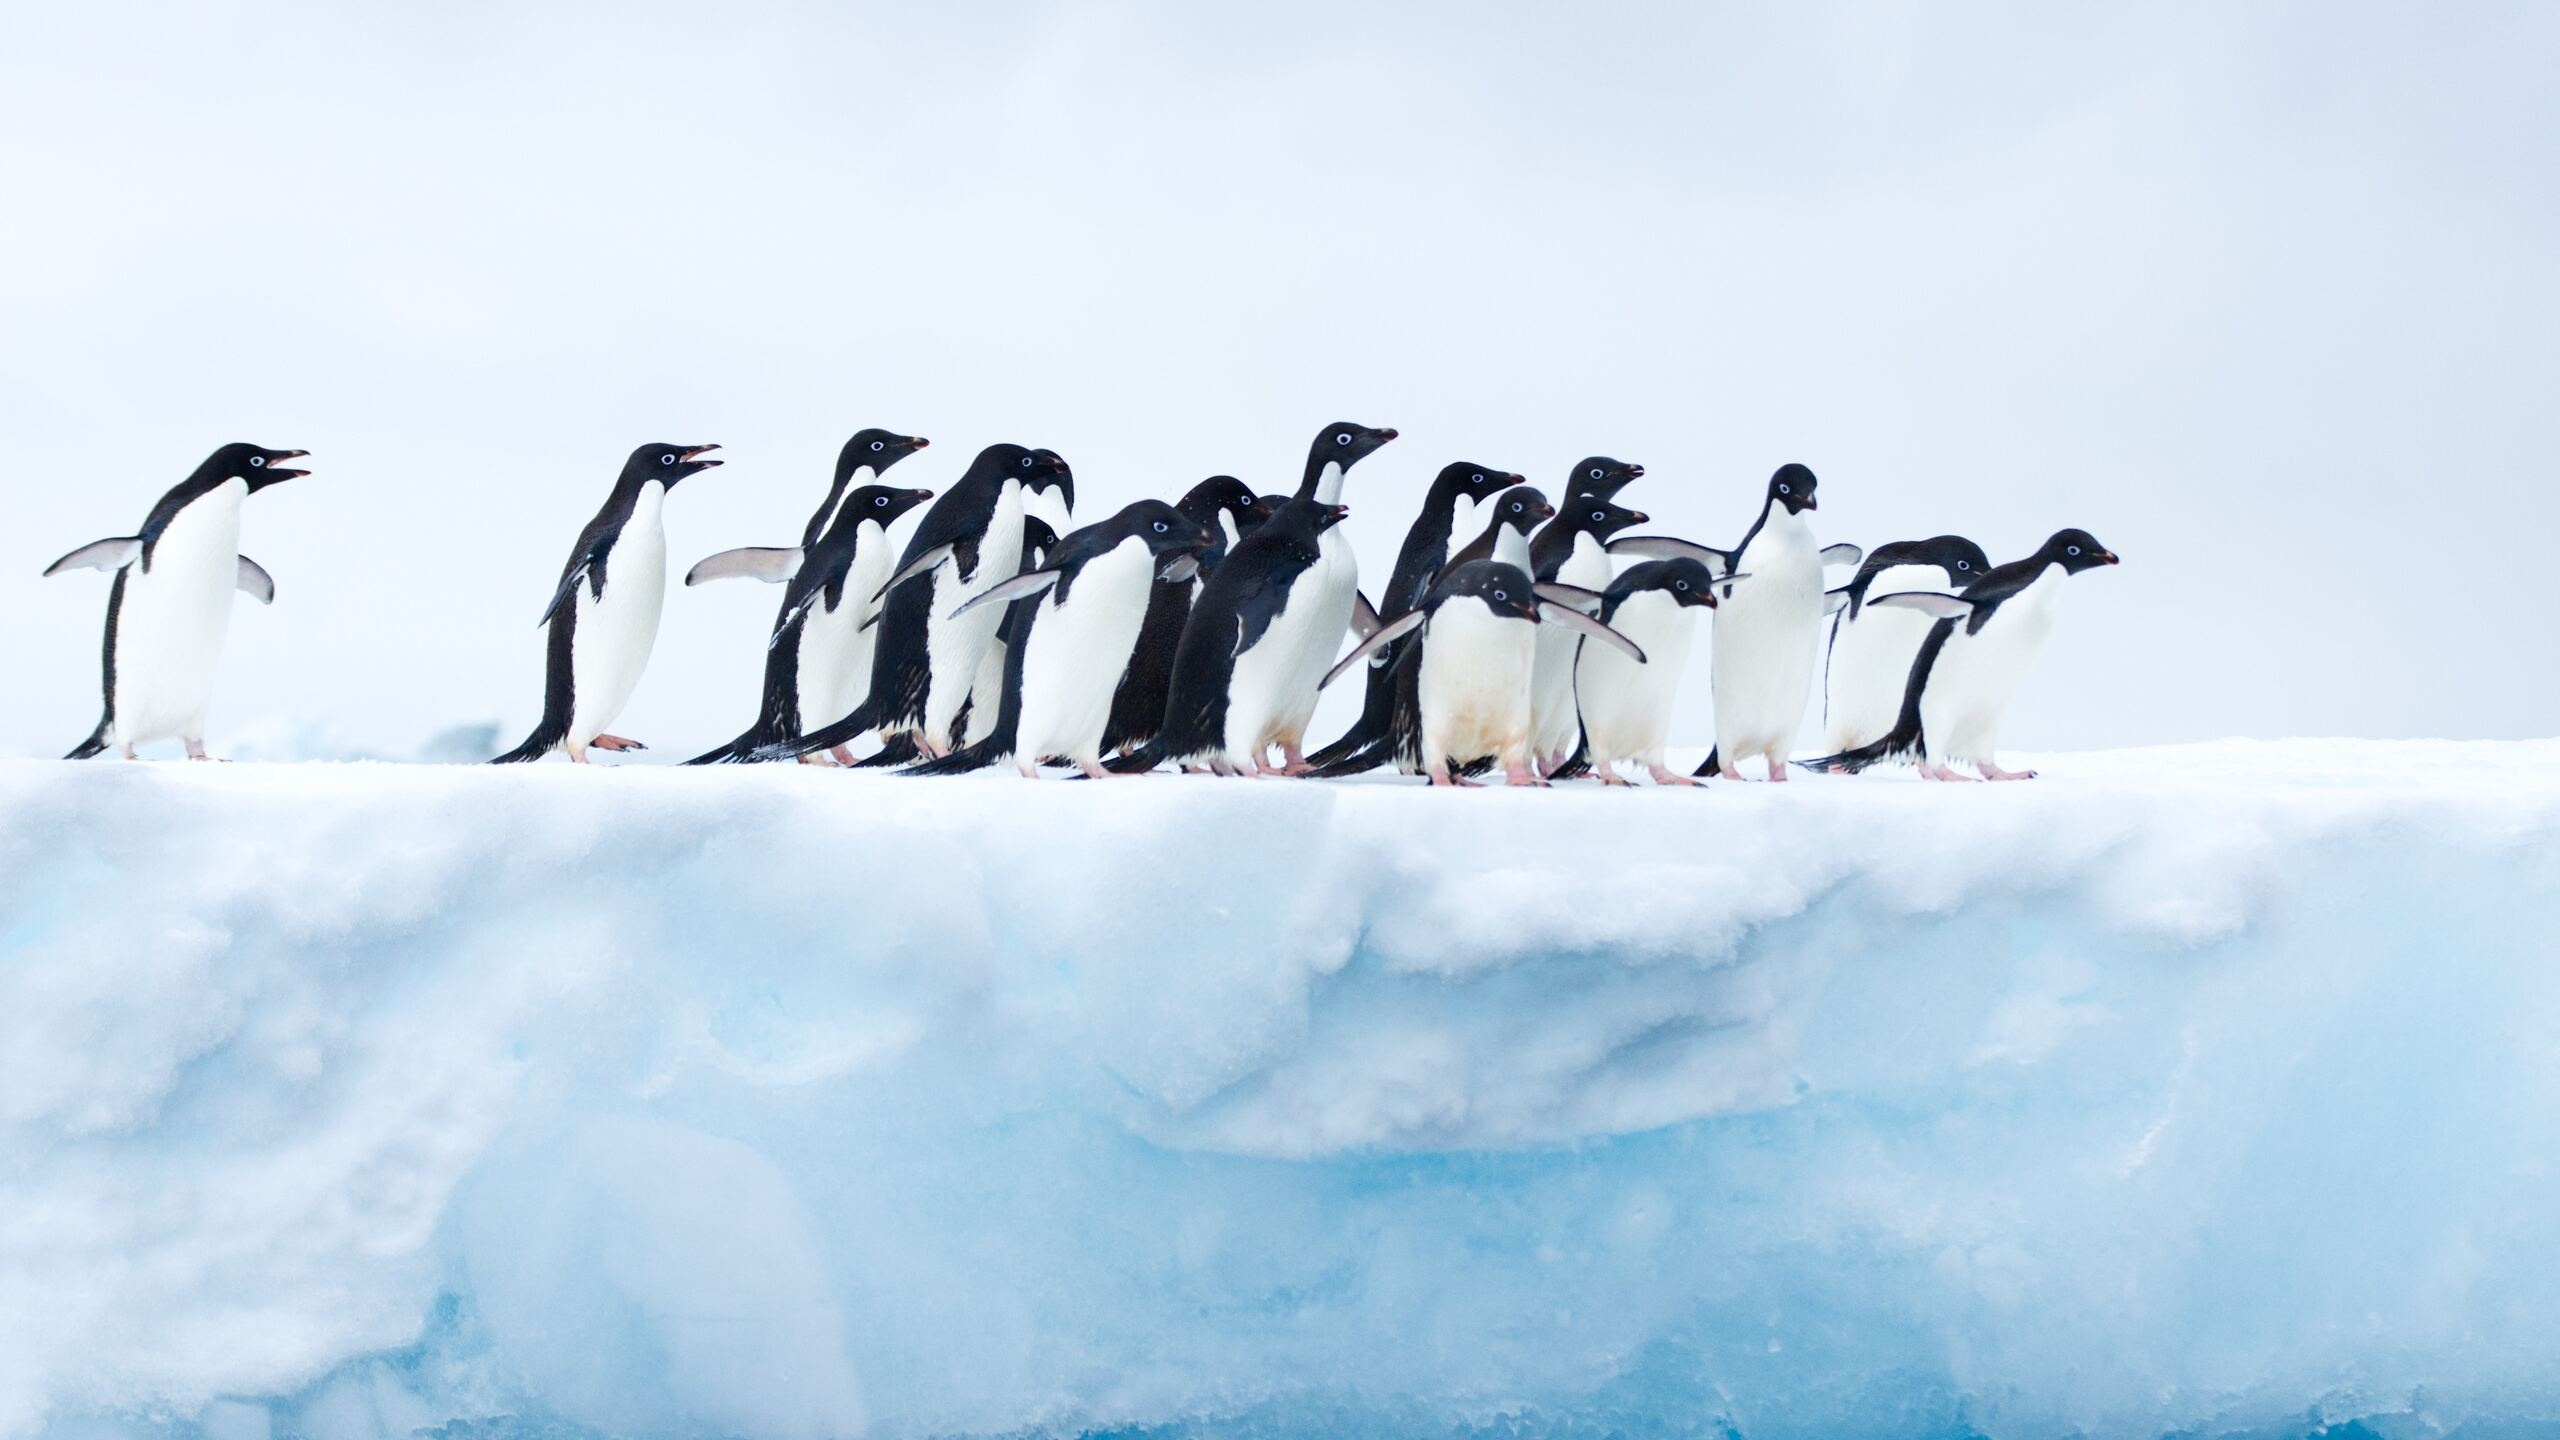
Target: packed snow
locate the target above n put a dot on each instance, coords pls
(2199, 1089)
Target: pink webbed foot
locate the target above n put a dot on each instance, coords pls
(1935, 771)
(844, 755)
(1092, 770)
(616, 744)
(1662, 776)
(1520, 772)
(1994, 772)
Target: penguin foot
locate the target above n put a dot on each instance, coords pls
(1522, 774)
(1608, 775)
(616, 744)
(1292, 761)
(819, 759)
(1665, 777)
(1936, 771)
(129, 755)
(1777, 770)
(577, 754)
(844, 755)
(1093, 770)
(1994, 772)
(1727, 772)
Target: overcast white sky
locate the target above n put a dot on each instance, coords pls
(2264, 295)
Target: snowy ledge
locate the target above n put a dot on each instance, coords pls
(2202, 1088)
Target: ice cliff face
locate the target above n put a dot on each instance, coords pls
(2206, 1089)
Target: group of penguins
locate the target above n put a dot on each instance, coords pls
(1197, 633)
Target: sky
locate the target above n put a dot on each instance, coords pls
(2262, 295)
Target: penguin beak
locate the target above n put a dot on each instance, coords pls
(1386, 435)
(917, 442)
(1810, 503)
(1544, 512)
(273, 474)
(1638, 517)
(1635, 472)
(2108, 557)
(691, 456)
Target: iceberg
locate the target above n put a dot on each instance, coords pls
(2196, 1090)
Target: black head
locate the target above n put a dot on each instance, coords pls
(258, 466)
(1046, 470)
(1345, 444)
(1227, 495)
(877, 449)
(1473, 481)
(1504, 589)
(2075, 551)
(1271, 506)
(1037, 540)
(1598, 516)
(1328, 516)
(1166, 530)
(1687, 581)
(1523, 508)
(1792, 487)
(1960, 558)
(1600, 475)
(666, 464)
(883, 503)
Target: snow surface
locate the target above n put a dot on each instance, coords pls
(2210, 1088)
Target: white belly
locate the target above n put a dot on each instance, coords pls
(1312, 629)
(1079, 652)
(835, 652)
(957, 649)
(171, 625)
(1870, 660)
(617, 630)
(1765, 640)
(1553, 721)
(1259, 695)
(1976, 676)
(1626, 707)
(1474, 686)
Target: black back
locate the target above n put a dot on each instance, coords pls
(1137, 708)
(1235, 608)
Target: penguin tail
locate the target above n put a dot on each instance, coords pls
(1709, 768)
(1139, 761)
(546, 737)
(1576, 765)
(740, 751)
(963, 761)
(1896, 745)
(899, 749)
(1360, 737)
(96, 744)
(865, 716)
(1373, 752)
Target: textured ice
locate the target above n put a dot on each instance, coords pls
(2204, 1089)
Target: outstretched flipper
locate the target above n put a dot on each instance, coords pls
(1586, 601)
(1551, 613)
(255, 582)
(913, 568)
(113, 553)
(1005, 592)
(769, 563)
(1834, 601)
(1927, 602)
(1843, 553)
(1379, 639)
(1670, 547)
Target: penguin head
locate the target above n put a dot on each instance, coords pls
(259, 466)
(1037, 541)
(876, 449)
(2075, 551)
(1270, 506)
(1345, 444)
(666, 463)
(1328, 516)
(1166, 530)
(1474, 482)
(1598, 516)
(1503, 589)
(1522, 508)
(1688, 582)
(1045, 473)
(1223, 494)
(1963, 560)
(881, 503)
(1792, 487)
(1599, 475)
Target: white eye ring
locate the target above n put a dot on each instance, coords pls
(1342, 439)
(257, 462)
(1161, 527)
(1679, 584)
(1599, 515)
(667, 459)
(878, 445)
(1501, 595)
(1782, 489)
(879, 499)
(2075, 549)
(1964, 564)
(1476, 480)
(1595, 472)
(1026, 462)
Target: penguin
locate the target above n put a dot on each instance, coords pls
(1481, 620)
(862, 461)
(1626, 709)
(1509, 519)
(1970, 664)
(1275, 687)
(901, 750)
(603, 617)
(1762, 666)
(1137, 708)
(818, 651)
(1231, 621)
(1419, 560)
(1868, 659)
(1570, 549)
(1073, 623)
(169, 609)
(977, 717)
(925, 663)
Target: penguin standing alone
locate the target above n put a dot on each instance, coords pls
(169, 610)
(1626, 708)
(603, 618)
(1969, 667)
(1867, 665)
(1137, 709)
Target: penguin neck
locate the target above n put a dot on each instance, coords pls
(1777, 524)
(1323, 484)
(648, 504)
(1511, 547)
(846, 484)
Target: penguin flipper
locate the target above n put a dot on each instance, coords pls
(1843, 553)
(568, 587)
(913, 568)
(1364, 616)
(1551, 613)
(1020, 587)
(1379, 639)
(1670, 547)
(1708, 767)
(769, 563)
(1834, 601)
(255, 582)
(113, 553)
(1927, 602)
(1584, 600)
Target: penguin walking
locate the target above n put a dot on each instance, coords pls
(1419, 561)
(1570, 549)
(1626, 708)
(977, 718)
(1765, 631)
(1208, 718)
(1481, 622)
(169, 609)
(1275, 688)
(925, 662)
(1867, 663)
(1073, 624)
(1970, 664)
(1137, 709)
(603, 618)
(1509, 519)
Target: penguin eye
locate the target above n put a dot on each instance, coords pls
(1599, 515)
(2075, 549)
(877, 445)
(1026, 462)
(1161, 527)
(667, 459)
(1515, 507)
(1475, 480)
(1501, 595)
(1964, 564)
(257, 462)
(1782, 489)
(1679, 584)
(879, 499)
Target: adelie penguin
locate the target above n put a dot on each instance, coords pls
(1867, 663)
(1210, 718)
(1572, 550)
(169, 609)
(1074, 622)
(927, 657)
(1626, 707)
(1480, 625)
(1275, 687)
(977, 718)
(1969, 667)
(1419, 561)
(1766, 629)
(1137, 710)
(603, 617)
